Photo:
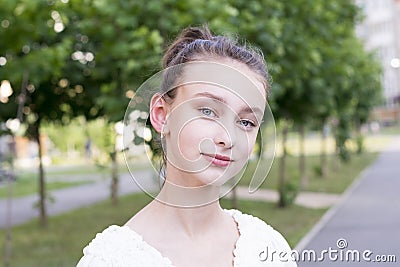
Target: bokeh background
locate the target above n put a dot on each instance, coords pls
(68, 69)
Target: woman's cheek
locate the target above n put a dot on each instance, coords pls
(190, 138)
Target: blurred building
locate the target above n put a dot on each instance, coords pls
(380, 31)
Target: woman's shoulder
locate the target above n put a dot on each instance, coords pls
(249, 224)
(257, 239)
(120, 246)
(112, 238)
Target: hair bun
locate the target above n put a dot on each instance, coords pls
(193, 33)
(186, 37)
(197, 43)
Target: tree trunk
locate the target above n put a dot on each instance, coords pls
(359, 136)
(324, 163)
(42, 185)
(335, 158)
(114, 178)
(302, 160)
(10, 179)
(282, 168)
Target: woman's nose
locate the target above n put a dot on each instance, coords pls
(224, 138)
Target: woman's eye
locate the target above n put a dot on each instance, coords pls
(208, 112)
(247, 123)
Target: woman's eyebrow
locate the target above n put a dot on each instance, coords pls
(251, 110)
(212, 96)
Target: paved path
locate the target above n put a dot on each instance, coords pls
(366, 220)
(306, 199)
(70, 198)
(84, 195)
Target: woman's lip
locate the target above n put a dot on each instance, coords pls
(218, 160)
(217, 156)
(221, 157)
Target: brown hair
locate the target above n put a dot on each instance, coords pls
(196, 42)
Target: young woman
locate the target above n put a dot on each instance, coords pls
(208, 112)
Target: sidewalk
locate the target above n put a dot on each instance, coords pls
(363, 229)
(84, 195)
(68, 199)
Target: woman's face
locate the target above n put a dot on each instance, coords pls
(212, 125)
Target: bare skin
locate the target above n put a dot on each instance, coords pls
(201, 236)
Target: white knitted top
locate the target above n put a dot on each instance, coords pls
(120, 246)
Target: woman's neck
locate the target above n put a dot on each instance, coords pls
(189, 206)
(182, 189)
(187, 197)
(194, 221)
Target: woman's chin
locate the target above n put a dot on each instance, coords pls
(216, 178)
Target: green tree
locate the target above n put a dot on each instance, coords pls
(38, 51)
(334, 64)
(314, 70)
(355, 99)
(142, 30)
(297, 91)
(116, 53)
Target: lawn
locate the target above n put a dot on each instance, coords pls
(343, 174)
(27, 184)
(62, 243)
(58, 177)
(337, 180)
(340, 174)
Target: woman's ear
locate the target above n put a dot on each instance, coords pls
(158, 114)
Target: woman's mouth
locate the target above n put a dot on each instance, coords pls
(218, 160)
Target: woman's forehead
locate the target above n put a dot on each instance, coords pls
(218, 94)
(233, 79)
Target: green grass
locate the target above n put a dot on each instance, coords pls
(60, 170)
(337, 180)
(27, 184)
(82, 169)
(62, 243)
(372, 142)
(390, 130)
(90, 167)
(27, 180)
(340, 175)
(343, 175)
